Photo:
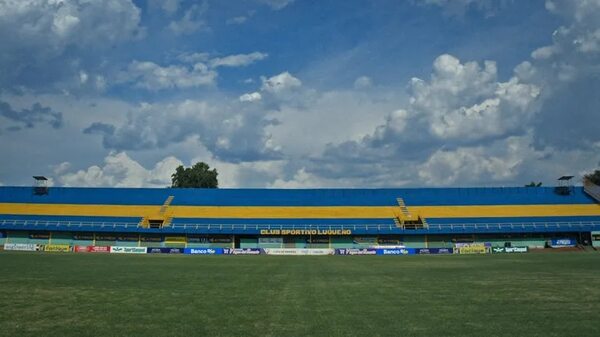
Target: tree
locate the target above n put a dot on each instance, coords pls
(534, 184)
(198, 176)
(593, 177)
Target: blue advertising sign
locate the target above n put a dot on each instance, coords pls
(563, 243)
(396, 251)
(242, 251)
(356, 251)
(203, 251)
(434, 250)
(162, 250)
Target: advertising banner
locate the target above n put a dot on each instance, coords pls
(80, 249)
(162, 250)
(29, 247)
(298, 251)
(241, 251)
(356, 251)
(127, 250)
(558, 243)
(270, 240)
(426, 251)
(83, 236)
(98, 249)
(385, 240)
(473, 249)
(57, 248)
(91, 249)
(128, 237)
(176, 239)
(39, 235)
(396, 251)
(209, 239)
(203, 251)
(497, 250)
(106, 237)
(365, 240)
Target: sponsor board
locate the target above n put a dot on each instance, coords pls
(396, 251)
(57, 248)
(270, 240)
(365, 240)
(29, 247)
(39, 235)
(163, 250)
(98, 249)
(298, 251)
(426, 251)
(127, 250)
(80, 249)
(356, 251)
(479, 249)
(91, 249)
(241, 251)
(203, 251)
(176, 239)
(563, 243)
(510, 250)
(209, 239)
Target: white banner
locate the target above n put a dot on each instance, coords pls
(127, 250)
(30, 247)
(298, 251)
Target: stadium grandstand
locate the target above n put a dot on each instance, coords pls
(299, 218)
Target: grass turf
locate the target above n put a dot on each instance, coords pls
(119, 295)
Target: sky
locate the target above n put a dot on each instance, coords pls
(299, 93)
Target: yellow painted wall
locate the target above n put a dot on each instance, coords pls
(324, 212)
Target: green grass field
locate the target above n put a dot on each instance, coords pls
(107, 295)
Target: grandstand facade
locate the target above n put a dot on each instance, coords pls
(297, 218)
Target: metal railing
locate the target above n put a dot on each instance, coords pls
(74, 225)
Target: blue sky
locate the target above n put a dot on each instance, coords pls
(283, 93)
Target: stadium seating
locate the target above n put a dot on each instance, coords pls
(415, 214)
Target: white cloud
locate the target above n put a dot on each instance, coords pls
(194, 57)
(191, 21)
(280, 83)
(238, 20)
(57, 24)
(251, 97)
(464, 102)
(61, 168)
(168, 6)
(460, 7)
(36, 36)
(119, 170)
(239, 60)
(363, 82)
(230, 133)
(277, 4)
(151, 76)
